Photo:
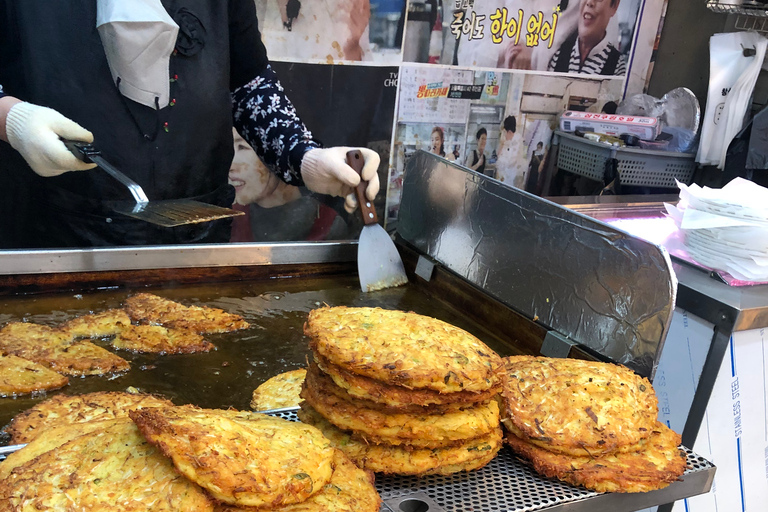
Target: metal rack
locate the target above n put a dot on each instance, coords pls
(746, 8)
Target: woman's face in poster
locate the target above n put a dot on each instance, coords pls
(435, 142)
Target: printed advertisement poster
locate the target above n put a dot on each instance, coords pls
(342, 106)
(332, 30)
(591, 37)
(497, 124)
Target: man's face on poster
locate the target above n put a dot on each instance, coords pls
(594, 16)
(248, 174)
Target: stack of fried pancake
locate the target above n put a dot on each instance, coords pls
(114, 451)
(37, 357)
(402, 393)
(589, 423)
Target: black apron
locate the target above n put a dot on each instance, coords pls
(51, 55)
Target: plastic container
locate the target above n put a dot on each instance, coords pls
(641, 167)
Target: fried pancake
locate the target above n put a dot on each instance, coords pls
(398, 397)
(329, 385)
(55, 349)
(394, 460)
(85, 358)
(417, 430)
(403, 349)
(20, 376)
(254, 461)
(114, 469)
(52, 439)
(577, 407)
(157, 339)
(279, 391)
(63, 410)
(146, 308)
(351, 489)
(97, 325)
(654, 463)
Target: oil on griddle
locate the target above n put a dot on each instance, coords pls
(244, 359)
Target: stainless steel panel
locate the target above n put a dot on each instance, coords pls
(600, 287)
(180, 256)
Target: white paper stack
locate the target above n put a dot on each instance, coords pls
(727, 228)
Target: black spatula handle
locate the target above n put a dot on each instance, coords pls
(82, 150)
(356, 161)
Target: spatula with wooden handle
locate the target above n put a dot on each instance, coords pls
(378, 263)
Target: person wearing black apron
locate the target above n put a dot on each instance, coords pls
(157, 85)
(476, 159)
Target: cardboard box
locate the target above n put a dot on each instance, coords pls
(647, 128)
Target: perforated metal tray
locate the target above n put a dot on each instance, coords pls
(507, 484)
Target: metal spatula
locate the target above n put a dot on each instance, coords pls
(167, 213)
(378, 262)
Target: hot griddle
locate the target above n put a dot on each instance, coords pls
(275, 296)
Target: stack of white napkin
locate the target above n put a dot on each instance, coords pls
(727, 228)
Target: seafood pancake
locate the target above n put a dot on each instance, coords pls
(54, 348)
(577, 407)
(256, 461)
(417, 430)
(64, 410)
(653, 464)
(157, 339)
(388, 459)
(52, 439)
(113, 469)
(398, 397)
(351, 489)
(403, 349)
(20, 376)
(146, 308)
(97, 325)
(279, 391)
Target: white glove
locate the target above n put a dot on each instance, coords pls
(325, 171)
(35, 132)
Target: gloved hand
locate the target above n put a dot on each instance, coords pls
(325, 171)
(35, 132)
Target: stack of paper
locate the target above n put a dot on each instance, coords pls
(725, 229)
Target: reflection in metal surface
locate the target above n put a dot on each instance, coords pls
(600, 287)
(178, 256)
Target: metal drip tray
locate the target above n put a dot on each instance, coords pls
(507, 484)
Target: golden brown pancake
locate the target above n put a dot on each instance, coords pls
(97, 325)
(403, 349)
(157, 339)
(243, 459)
(279, 391)
(577, 407)
(388, 459)
(417, 430)
(112, 469)
(350, 489)
(64, 410)
(146, 308)
(399, 397)
(20, 376)
(55, 349)
(652, 464)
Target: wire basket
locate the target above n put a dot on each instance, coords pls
(747, 7)
(640, 167)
